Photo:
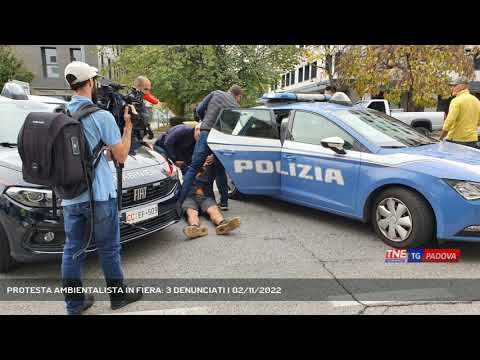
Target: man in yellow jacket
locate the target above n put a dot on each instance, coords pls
(463, 120)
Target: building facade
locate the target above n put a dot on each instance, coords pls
(48, 62)
(308, 77)
(311, 76)
(107, 55)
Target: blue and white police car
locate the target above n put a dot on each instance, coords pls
(328, 154)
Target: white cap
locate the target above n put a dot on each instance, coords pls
(82, 71)
(458, 80)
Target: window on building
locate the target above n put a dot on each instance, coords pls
(76, 55)
(477, 63)
(329, 62)
(292, 77)
(51, 69)
(287, 75)
(300, 74)
(314, 70)
(336, 60)
(306, 74)
(283, 80)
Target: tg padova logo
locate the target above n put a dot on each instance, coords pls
(422, 255)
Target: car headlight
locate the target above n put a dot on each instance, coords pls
(39, 198)
(169, 168)
(468, 189)
(177, 174)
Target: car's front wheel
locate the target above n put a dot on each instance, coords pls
(402, 218)
(233, 192)
(6, 261)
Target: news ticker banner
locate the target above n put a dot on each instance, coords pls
(428, 290)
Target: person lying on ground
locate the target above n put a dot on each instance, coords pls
(201, 200)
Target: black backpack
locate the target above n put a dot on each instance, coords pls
(55, 152)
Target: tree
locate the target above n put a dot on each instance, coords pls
(12, 68)
(422, 72)
(256, 67)
(182, 75)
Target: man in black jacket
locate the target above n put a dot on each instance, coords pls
(177, 144)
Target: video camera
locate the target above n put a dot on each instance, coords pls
(111, 99)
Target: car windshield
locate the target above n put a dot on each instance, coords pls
(12, 117)
(382, 129)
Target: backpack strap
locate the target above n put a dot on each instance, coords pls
(82, 112)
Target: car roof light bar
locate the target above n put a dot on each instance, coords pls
(292, 97)
(289, 97)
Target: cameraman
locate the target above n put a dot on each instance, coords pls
(143, 84)
(99, 126)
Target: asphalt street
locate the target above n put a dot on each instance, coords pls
(276, 240)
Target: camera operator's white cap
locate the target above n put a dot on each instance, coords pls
(82, 71)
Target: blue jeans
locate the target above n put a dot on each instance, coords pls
(200, 154)
(107, 240)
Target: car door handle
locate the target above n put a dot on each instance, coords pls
(227, 152)
(289, 157)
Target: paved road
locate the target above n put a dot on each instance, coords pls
(276, 240)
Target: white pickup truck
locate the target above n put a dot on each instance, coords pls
(424, 122)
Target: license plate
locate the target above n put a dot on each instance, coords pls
(141, 214)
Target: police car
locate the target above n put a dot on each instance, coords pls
(328, 154)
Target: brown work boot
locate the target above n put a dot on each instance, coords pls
(228, 225)
(195, 231)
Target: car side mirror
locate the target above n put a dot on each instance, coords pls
(335, 144)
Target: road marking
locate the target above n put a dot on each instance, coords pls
(341, 303)
(413, 295)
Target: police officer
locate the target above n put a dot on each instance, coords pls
(208, 110)
(177, 144)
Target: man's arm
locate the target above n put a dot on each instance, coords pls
(120, 151)
(450, 120)
(202, 108)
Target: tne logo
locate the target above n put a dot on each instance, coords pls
(422, 255)
(396, 256)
